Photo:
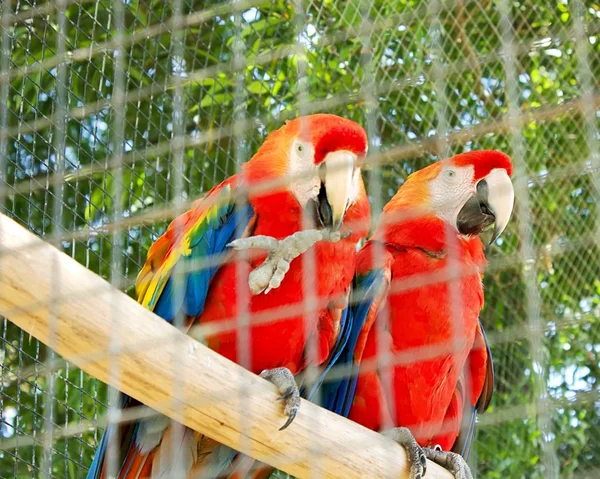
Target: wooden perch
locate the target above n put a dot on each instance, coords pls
(82, 318)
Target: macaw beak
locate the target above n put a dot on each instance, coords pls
(337, 177)
(491, 204)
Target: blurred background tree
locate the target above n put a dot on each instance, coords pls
(94, 92)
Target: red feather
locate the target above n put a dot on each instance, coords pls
(422, 329)
(484, 161)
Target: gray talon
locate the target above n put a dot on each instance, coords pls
(289, 392)
(284, 380)
(416, 456)
(450, 461)
(259, 242)
(281, 253)
(291, 417)
(283, 267)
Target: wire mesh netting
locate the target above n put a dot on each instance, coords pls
(116, 114)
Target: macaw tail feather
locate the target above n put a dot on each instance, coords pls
(137, 465)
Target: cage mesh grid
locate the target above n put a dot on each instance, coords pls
(243, 67)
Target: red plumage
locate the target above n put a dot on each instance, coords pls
(423, 322)
(428, 313)
(484, 161)
(281, 338)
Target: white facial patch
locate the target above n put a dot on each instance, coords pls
(304, 178)
(450, 190)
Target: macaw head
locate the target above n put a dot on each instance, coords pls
(318, 157)
(470, 191)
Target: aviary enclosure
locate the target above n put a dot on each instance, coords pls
(116, 114)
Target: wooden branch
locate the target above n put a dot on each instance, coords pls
(82, 318)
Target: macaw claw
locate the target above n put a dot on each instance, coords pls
(450, 461)
(281, 253)
(284, 380)
(416, 456)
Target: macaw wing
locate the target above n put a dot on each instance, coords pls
(182, 262)
(367, 291)
(488, 385)
(481, 379)
(336, 351)
(175, 280)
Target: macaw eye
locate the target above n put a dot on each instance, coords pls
(450, 173)
(301, 149)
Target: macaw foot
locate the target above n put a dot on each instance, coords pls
(271, 272)
(450, 461)
(416, 455)
(290, 394)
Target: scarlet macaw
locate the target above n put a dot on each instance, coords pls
(405, 302)
(320, 155)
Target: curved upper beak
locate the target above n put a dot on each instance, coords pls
(337, 183)
(491, 204)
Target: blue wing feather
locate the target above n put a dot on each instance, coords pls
(337, 351)
(213, 243)
(337, 395)
(221, 230)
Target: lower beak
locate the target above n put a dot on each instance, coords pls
(337, 177)
(475, 216)
(492, 204)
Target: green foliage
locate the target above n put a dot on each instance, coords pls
(413, 71)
